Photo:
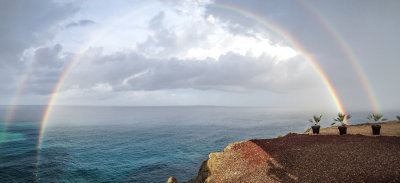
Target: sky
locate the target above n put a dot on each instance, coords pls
(201, 52)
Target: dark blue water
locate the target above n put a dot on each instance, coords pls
(132, 144)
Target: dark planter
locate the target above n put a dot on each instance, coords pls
(342, 130)
(376, 129)
(315, 129)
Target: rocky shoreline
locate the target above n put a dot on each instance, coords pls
(356, 157)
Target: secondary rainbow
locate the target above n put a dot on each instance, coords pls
(348, 52)
(16, 98)
(245, 13)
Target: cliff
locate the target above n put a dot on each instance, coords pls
(307, 158)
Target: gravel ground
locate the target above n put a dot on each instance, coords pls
(332, 158)
(309, 158)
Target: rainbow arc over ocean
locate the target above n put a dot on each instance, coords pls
(251, 16)
(351, 56)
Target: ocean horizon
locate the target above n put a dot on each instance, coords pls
(134, 144)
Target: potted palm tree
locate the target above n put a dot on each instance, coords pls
(316, 119)
(341, 119)
(376, 129)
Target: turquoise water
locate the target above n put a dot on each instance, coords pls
(131, 144)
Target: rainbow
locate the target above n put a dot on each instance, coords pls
(295, 43)
(67, 70)
(348, 52)
(75, 60)
(234, 9)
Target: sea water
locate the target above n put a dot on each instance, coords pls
(132, 144)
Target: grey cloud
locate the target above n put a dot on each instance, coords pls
(80, 23)
(234, 73)
(48, 57)
(168, 42)
(157, 21)
(25, 25)
(49, 63)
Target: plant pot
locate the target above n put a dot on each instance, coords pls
(376, 129)
(342, 130)
(315, 129)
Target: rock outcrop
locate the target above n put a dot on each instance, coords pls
(240, 162)
(172, 179)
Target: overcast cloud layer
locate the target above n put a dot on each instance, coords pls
(197, 53)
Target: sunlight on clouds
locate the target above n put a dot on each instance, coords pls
(225, 42)
(220, 41)
(185, 34)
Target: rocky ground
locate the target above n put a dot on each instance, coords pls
(309, 158)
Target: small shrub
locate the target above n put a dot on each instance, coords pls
(376, 117)
(279, 136)
(316, 119)
(341, 118)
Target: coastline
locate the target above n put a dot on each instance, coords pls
(302, 157)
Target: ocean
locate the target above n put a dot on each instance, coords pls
(134, 144)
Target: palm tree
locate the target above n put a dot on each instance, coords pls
(341, 118)
(376, 117)
(316, 119)
(376, 129)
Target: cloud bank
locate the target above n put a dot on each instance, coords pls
(176, 53)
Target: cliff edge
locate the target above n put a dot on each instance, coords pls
(306, 158)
